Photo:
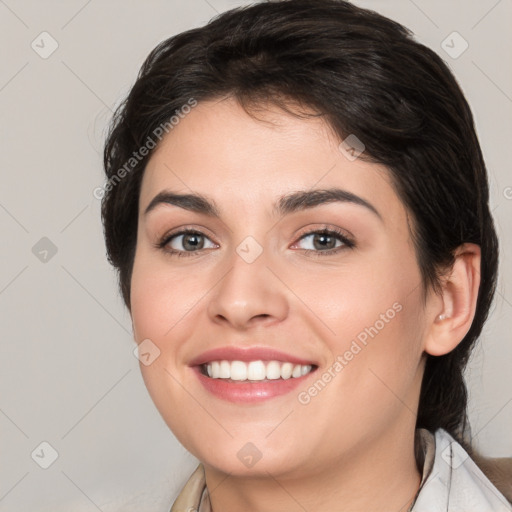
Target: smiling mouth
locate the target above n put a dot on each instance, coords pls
(254, 371)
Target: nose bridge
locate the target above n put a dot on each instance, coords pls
(248, 289)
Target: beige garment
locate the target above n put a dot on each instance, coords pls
(442, 489)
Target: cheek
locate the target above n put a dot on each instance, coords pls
(161, 299)
(162, 304)
(148, 305)
(371, 320)
(375, 291)
(373, 377)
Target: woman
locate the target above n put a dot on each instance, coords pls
(298, 210)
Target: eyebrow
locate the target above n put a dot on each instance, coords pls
(289, 203)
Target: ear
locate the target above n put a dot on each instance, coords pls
(451, 315)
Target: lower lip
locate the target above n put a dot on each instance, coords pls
(249, 392)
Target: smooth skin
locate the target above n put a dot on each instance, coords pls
(352, 446)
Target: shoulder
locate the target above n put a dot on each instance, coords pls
(498, 470)
(456, 483)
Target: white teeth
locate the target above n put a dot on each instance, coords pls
(238, 370)
(273, 370)
(297, 371)
(225, 370)
(255, 370)
(286, 370)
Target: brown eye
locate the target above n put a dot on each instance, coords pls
(322, 241)
(191, 241)
(325, 241)
(185, 242)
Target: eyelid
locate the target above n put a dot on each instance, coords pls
(347, 239)
(187, 229)
(319, 228)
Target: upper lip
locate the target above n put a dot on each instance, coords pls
(231, 353)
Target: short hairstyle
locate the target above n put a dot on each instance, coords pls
(366, 76)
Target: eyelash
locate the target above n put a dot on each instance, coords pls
(347, 243)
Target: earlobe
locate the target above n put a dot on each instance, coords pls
(459, 295)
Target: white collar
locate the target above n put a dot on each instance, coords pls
(451, 481)
(455, 483)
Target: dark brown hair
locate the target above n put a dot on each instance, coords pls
(366, 76)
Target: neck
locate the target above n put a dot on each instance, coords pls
(383, 476)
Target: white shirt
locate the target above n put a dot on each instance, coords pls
(455, 483)
(451, 482)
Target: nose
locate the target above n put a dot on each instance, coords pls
(248, 295)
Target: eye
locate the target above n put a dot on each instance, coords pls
(189, 242)
(185, 241)
(325, 242)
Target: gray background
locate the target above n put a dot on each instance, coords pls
(67, 372)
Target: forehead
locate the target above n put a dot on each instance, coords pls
(219, 150)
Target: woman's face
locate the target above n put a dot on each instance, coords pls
(262, 274)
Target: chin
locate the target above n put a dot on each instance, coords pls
(248, 461)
